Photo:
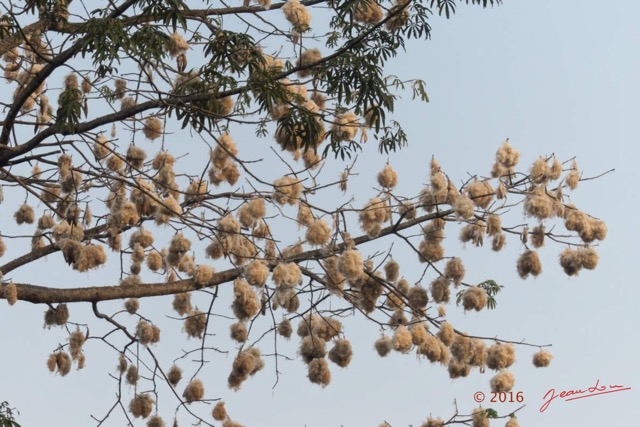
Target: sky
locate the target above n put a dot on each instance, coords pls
(555, 78)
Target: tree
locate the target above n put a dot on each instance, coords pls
(195, 219)
(6, 416)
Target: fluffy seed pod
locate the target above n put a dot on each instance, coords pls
(407, 210)
(542, 359)
(312, 158)
(480, 418)
(572, 261)
(512, 423)
(430, 251)
(155, 421)
(599, 229)
(46, 222)
(71, 81)
(345, 126)
(195, 323)
(246, 304)
(308, 57)
(57, 316)
(154, 261)
(479, 358)
(538, 204)
(435, 350)
(341, 353)
(174, 375)
(312, 347)
(391, 270)
(214, 250)
(351, 264)
(383, 345)
(182, 303)
(368, 13)
(11, 293)
(137, 255)
(446, 334)
(507, 156)
(440, 290)
(219, 412)
(52, 362)
(529, 263)
(502, 382)
(318, 232)
(63, 363)
(419, 334)
(135, 156)
(76, 341)
(257, 356)
(120, 88)
(537, 236)
(458, 370)
(115, 163)
(433, 422)
(481, 192)
(24, 215)
(247, 363)
(388, 178)
(126, 103)
(141, 405)
(500, 356)
(203, 275)
(398, 318)
(539, 172)
(179, 244)
(498, 242)
(177, 44)
(132, 375)
(417, 297)
(325, 328)
(334, 278)
(239, 332)
(463, 349)
(454, 270)
(588, 258)
(473, 233)
(399, 14)
(256, 273)
(573, 177)
(463, 207)
(122, 363)
(494, 225)
(287, 190)
(145, 332)
(153, 128)
(394, 300)
(194, 391)
(319, 373)
(474, 298)
(429, 199)
(402, 339)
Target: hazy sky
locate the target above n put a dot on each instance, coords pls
(555, 77)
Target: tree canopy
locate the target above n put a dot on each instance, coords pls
(119, 156)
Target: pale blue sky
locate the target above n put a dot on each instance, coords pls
(554, 77)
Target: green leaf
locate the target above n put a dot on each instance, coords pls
(419, 90)
(491, 413)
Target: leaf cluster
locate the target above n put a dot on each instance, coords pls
(6, 415)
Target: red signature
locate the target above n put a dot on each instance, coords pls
(579, 394)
